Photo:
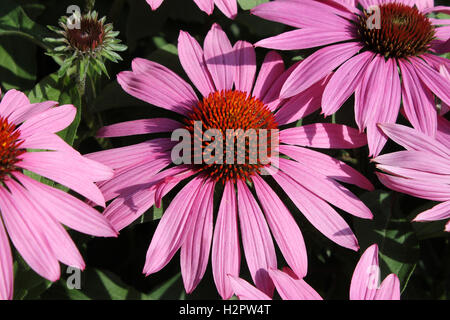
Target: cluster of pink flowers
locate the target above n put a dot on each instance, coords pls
(396, 73)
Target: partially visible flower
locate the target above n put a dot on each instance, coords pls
(85, 42)
(366, 278)
(33, 212)
(230, 99)
(364, 284)
(422, 170)
(228, 7)
(287, 283)
(367, 51)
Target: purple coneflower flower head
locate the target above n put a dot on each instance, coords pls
(422, 170)
(232, 96)
(367, 51)
(366, 277)
(32, 213)
(228, 7)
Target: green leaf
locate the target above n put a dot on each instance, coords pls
(27, 283)
(394, 234)
(250, 4)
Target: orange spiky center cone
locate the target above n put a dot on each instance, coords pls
(9, 147)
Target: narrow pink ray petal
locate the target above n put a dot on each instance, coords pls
(412, 139)
(317, 66)
(304, 38)
(245, 291)
(438, 212)
(292, 289)
(30, 243)
(11, 101)
(389, 289)
(226, 256)
(135, 127)
(69, 210)
(418, 101)
(41, 221)
(318, 212)
(443, 132)
(154, 4)
(194, 254)
(220, 58)
(22, 113)
(205, 5)
(366, 277)
(6, 269)
(327, 166)
(256, 239)
(284, 228)
(134, 154)
(326, 188)
(303, 104)
(416, 160)
(245, 66)
(344, 82)
(324, 135)
(50, 121)
(171, 231)
(413, 174)
(271, 69)
(47, 141)
(421, 189)
(228, 7)
(193, 62)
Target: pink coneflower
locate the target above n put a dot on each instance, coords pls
(422, 170)
(231, 99)
(366, 277)
(364, 284)
(228, 7)
(366, 47)
(31, 213)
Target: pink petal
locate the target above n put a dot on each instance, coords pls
(145, 126)
(324, 135)
(438, 212)
(326, 188)
(13, 100)
(317, 66)
(205, 5)
(292, 289)
(271, 69)
(366, 276)
(172, 228)
(225, 249)
(6, 266)
(443, 132)
(24, 112)
(193, 62)
(220, 58)
(245, 66)
(256, 239)
(304, 38)
(154, 4)
(284, 228)
(327, 166)
(318, 212)
(228, 7)
(389, 289)
(195, 249)
(245, 291)
(344, 82)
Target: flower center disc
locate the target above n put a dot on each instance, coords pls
(245, 126)
(401, 31)
(9, 147)
(88, 37)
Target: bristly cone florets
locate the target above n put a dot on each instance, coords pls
(86, 42)
(9, 147)
(403, 31)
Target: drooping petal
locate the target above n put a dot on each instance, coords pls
(135, 127)
(228, 7)
(11, 101)
(245, 66)
(285, 230)
(271, 69)
(438, 212)
(225, 249)
(205, 5)
(290, 288)
(193, 62)
(171, 231)
(6, 266)
(245, 291)
(154, 4)
(389, 288)
(195, 249)
(256, 239)
(366, 277)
